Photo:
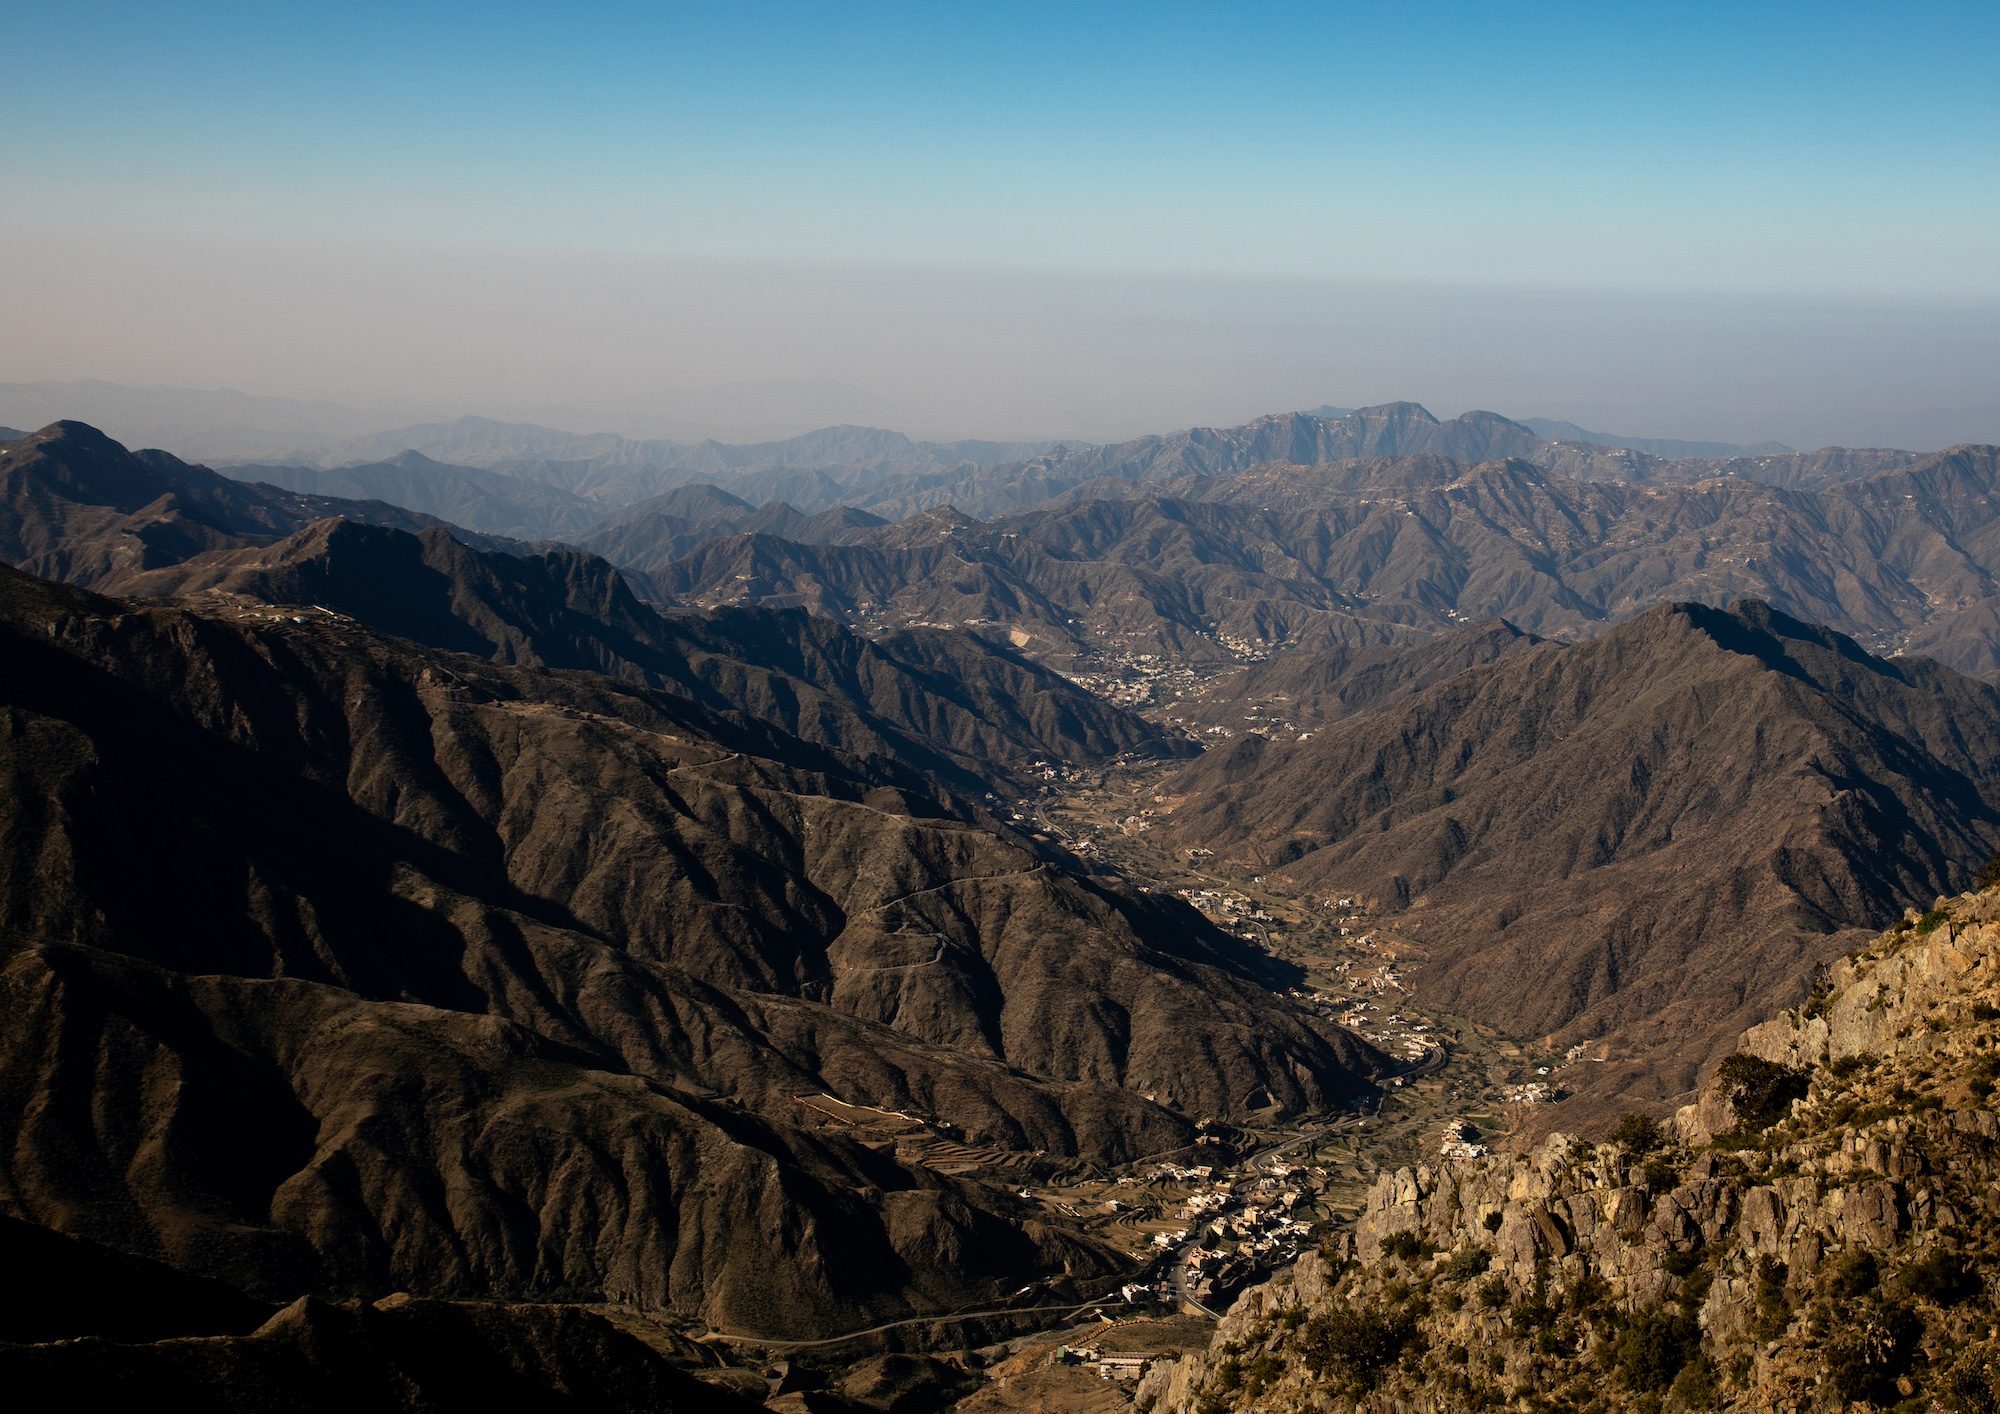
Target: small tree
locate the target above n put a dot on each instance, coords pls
(1359, 1342)
(1760, 1091)
(1636, 1133)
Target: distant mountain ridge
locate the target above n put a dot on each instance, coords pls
(1555, 430)
(1290, 558)
(887, 475)
(561, 476)
(466, 496)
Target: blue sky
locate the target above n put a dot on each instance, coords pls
(1825, 151)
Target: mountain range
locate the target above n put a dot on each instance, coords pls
(388, 906)
(888, 475)
(389, 914)
(538, 482)
(1672, 448)
(1387, 551)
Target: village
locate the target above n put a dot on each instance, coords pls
(1247, 1198)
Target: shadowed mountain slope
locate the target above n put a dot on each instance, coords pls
(961, 710)
(335, 963)
(399, 1354)
(76, 506)
(967, 708)
(1652, 835)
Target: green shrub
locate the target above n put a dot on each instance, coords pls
(1588, 1293)
(1262, 1374)
(1653, 1349)
(1696, 1386)
(1680, 1264)
(1854, 1274)
(1493, 1293)
(1359, 1342)
(1760, 1091)
(1774, 1302)
(1971, 1385)
(1931, 921)
(1847, 1065)
(1466, 1263)
(1694, 1289)
(1943, 1277)
(1659, 1175)
(1407, 1246)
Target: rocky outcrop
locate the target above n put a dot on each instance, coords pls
(1821, 1227)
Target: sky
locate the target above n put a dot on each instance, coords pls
(1015, 220)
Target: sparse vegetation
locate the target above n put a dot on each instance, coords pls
(1847, 1067)
(1407, 1246)
(1870, 1350)
(1943, 1277)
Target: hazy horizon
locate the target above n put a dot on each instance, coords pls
(1030, 224)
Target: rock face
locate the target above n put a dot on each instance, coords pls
(333, 963)
(1839, 1241)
